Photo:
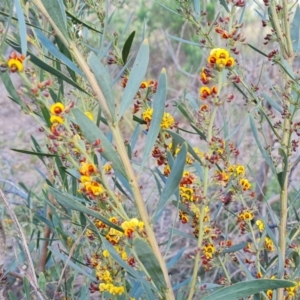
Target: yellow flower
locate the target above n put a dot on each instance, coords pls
(56, 119)
(186, 193)
(131, 226)
(87, 169)
(57, 108)
(107, 168)
(89, 115)
(105, 253)
(204, 92)
(198, 152)
(209, 250)
(260, 224)
(245, 184)
(147, 114)
(240, 170)
(269, 245)
(15, 64)
(167, 121)
(144, 85)
(246, 215)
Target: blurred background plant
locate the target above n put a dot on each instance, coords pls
(90, 75)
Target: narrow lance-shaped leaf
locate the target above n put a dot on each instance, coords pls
(56, 53)
(197, 9)
(11, 89)
(69, 202)
(56, 10)
(295, 29)
(22, 26)
(137, 75)
(173, 179)
(158, 112)
(104, 81)
(150, 262)
(127, 47)
(245, 289)
(93, 133)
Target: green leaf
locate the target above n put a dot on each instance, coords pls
(175, 38)
(257, 50)
(173, 179)
(127, 47)
(11, 89)
(150, 262)
(33, 153)
(56, 53)
(137, 75)
(295, 29)
(103, 79)
(272, 102)
(68, 201)
(224, 4)
(56, 10)
(245, 289)
(169, 9)
(124, 264)
(12, 296)
(197, 9)
(42, 282)
(235, 248)
(93, 133)
(22, 26)
(78, 21)
(46, 67)
(158, 112)
(26, 288)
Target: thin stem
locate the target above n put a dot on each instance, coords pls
(202, 207)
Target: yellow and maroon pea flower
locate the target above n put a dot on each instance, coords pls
(144, 85)
(204, 92)
(167, 121)
(208, 250)
(246, 185)
(15, 62)
(56, 119)
(107, 168)
(245, 215)
(204, 78)
(147, 114)
(167, 170)
(268, 244)
(87, 169)
(131, 226)
(270, 294)
(183, 217)
(57, 108)
(186, 193)
(261, 225)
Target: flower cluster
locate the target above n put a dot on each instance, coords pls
(219, 58)
(166, 122)
(57, 110)
(131, 226)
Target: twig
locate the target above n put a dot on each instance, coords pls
(68, 259)
(32, 278)
(2, 255)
